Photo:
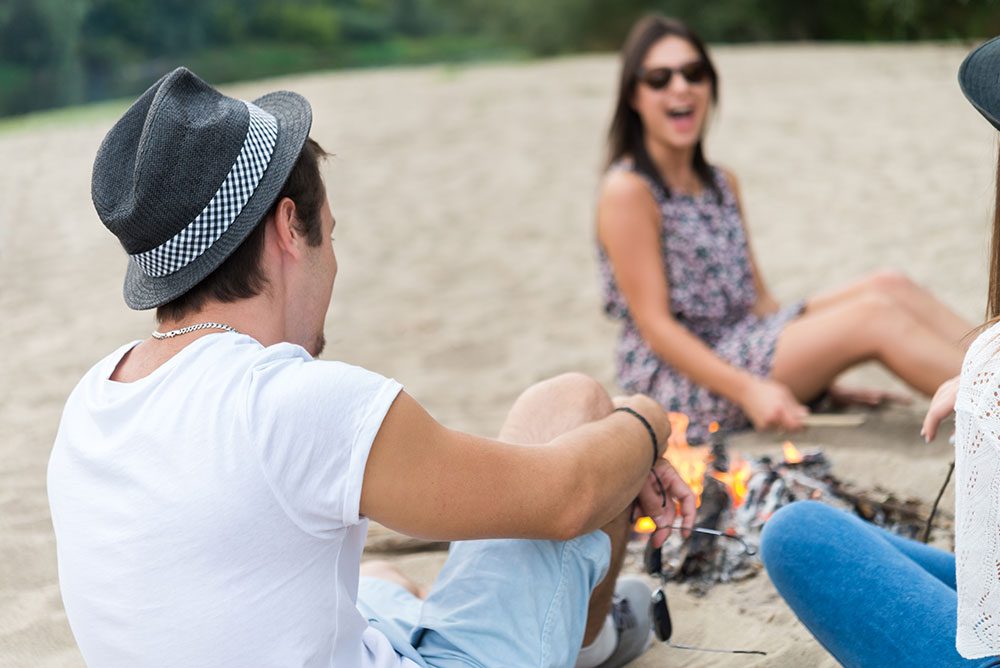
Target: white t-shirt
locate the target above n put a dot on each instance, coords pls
(207, 514)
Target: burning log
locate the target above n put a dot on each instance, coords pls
(737, 497)
(720, 454)
(700, 554)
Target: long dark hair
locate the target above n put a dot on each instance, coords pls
(993, 296)
(626, 135)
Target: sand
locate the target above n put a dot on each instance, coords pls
(464, 198)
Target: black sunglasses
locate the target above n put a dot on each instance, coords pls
(659, 612)
(659, 78)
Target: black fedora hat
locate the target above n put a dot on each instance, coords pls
(186, 174)
(979, 77)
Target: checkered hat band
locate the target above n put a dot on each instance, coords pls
(178, 251)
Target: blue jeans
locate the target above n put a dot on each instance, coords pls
(495, 603)
(871, 598)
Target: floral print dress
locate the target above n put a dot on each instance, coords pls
(707, 263)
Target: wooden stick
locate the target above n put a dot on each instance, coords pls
(834, 420)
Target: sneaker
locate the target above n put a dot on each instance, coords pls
(630, 612)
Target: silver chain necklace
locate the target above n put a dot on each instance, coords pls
(159, 336)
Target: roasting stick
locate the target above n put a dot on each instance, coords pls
(834, 420)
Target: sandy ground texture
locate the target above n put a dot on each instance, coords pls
(465, 197)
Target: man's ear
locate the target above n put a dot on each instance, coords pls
(288, 236)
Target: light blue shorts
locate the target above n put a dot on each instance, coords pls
(495, 603)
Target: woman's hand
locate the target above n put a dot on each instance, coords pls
(771, 405)
(942, 405)
(670, 488)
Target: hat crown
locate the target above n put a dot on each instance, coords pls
(163, 161)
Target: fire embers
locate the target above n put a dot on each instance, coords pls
(738, 496)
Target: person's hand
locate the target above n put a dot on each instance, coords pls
(771, 405)
(942, 405)
(677, 494)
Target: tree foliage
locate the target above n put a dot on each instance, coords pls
(55, 52)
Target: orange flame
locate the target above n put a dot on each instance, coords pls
(792, 454)
(735, 479)
(691, 463)
(678, 430)
(645, 525)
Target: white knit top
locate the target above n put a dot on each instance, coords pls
(977, 498)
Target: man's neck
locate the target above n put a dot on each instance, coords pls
(257, 317)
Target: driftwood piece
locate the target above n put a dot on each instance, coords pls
(834, 420)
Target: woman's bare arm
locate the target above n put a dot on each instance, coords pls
(628, 225)
(628, 229)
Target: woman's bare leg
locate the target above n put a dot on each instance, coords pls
(814, 349)
(927, 309)
(551, 408)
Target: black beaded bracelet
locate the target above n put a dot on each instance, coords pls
(645, 423)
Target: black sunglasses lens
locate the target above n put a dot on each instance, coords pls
(658, 78)
(652, 559)
(660, 615)
(695, 72)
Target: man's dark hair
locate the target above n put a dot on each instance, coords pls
(241, 275)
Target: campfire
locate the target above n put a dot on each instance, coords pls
(736, 497)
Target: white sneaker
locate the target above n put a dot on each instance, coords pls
(630, 612)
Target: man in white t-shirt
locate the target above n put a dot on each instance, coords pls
(210, 486)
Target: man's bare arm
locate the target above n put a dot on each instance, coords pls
(425, 480)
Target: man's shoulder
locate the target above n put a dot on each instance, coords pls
(296, 359)
(285, 373)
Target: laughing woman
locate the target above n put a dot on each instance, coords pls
(701, 333)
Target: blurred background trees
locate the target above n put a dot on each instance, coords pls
(60, 52)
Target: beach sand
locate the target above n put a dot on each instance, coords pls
(464, 199)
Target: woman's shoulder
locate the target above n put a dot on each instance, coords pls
(984, 351)
(980, 378)
(623, 183)
(726, 178)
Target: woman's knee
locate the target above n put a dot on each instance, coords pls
(879, 319)
(891, 282)
(792, 533)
